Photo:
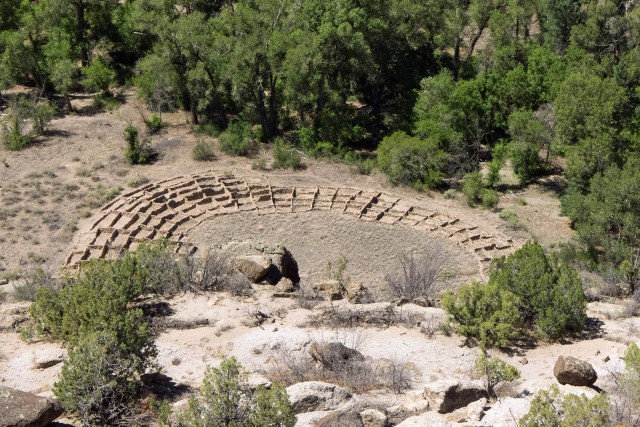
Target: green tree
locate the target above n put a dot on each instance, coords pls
(495, 372)
(224, 401)
(550, 409)
(608, 215)
(485, 313)
(411, 161)
(528, 137)
(549, 295)
(101, 379)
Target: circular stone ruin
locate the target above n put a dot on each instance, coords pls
(315, 223)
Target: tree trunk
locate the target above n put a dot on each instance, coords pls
(194, 113)
(456, 60)
(80, 32)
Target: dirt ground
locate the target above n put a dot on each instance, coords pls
(53, 189)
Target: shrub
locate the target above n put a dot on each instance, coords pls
(499, 154)
(473, 187)
(101, 379)
(485, 313)
(411, 161)
(362, 165)
(512, 219)
(285, 156)
(549, 294)
(98, 76)
(155, 123)
(34, 280)
(490, 198)
(207, 129)
(416, 276)
(137, 181)
(41, 115)
(138, 152)
(13, 138)
(548, 408)
(202, 152)
(450, 194)
(236, 140)
(224, 401)
(495, 372)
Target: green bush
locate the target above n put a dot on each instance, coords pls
(101, 379)
(484, 313)
(41, 115)
(512, 219)
(549, 408)
(34, 280)
(362, 165)
(549, 294)
(499, 154)
(155, 123)
(236, 140)
(495, 372)
(207, 129)
(411, 161)
(98, 76)
(203, 152)
(473, 187)
(490, 198)
(285, 156)
(547, 297)
(224, 402)
(138, 152)
(13, 138)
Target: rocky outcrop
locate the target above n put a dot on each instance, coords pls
(333, 354)
(373, 418)
(262, 262)
(430, 419)
(572, 371)
(21, 409)
(448, 395)
(341, 419)
(313, 396)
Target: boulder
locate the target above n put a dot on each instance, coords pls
(330, 289)
(21, 409)
(341, 419)
(446, 396)
(333, 354)
(475, 410)
(313, 396)
(572, 371)
(262, 262)
(356, 293)
(373, 418)
(253, 267)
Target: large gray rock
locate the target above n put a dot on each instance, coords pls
(333, 355)
(572, 371)
(314, 396)
(428, 419)
(341, 419)
(262, 262)
(373, 418)
(21, 409)
(446, 396)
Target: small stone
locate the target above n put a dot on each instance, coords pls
(597, 352)
(606, 359)
(4, 282)
(523, 360)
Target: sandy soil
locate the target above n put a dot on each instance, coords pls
(318, 238)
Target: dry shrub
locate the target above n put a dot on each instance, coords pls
(356, 374)
(353, 317)
(35, 279)
(416, 277)
(308, 299)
